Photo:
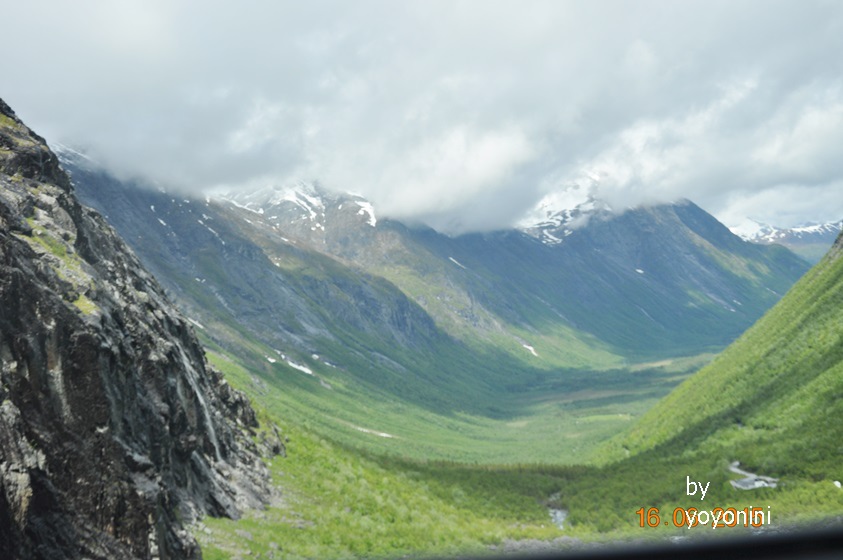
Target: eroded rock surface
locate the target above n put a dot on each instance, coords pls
(114, 431)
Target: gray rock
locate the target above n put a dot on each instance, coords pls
(114, 431)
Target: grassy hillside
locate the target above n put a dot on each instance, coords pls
(339, 503)
(550, 418)
(770, 401)
(771, 395)
(468, 351)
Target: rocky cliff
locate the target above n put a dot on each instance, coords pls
(114, 431)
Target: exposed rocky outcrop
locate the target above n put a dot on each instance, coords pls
(114, 431)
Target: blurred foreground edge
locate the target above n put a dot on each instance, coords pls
(821, 544)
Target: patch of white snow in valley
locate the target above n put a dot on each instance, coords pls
(300, 367)
(271, 360)
(373, 432)
(456, 262)
(162, 222)
(639, 271)
(152, 207)
(530, 349)
(196, 323)
(367, 208)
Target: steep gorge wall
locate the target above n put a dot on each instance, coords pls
(114, 431)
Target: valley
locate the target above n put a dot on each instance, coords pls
(299, 377)
(493, 348)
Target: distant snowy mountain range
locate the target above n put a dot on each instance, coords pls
(557, 216)
(554, 218)
(810, 241)
(765, 233)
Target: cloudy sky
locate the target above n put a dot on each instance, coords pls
(459, 114)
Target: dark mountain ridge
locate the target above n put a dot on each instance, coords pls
(647, 281)
(300, 277)
(114, 431)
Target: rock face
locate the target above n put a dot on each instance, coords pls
(114, 431)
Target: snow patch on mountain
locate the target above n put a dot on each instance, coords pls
(310, 200)
(300, 367)
(303, 195)
(558, 214)
(759, 232)
(366, 208)
(373, 432)
(456, 262)
(530, 349)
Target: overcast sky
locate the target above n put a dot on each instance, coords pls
(460, 114)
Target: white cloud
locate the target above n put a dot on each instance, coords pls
(805, 147)
(449, 170)
(463, 115)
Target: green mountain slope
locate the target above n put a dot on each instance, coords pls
(773, 395)
(771, 401)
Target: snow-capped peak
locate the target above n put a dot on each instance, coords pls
(559, 213)
(300, 193)
(306, 201)
(759, 232)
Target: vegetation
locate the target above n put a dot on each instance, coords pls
(773, 389)
(85, 305)
(66, 263)
(369, 403)
(53, 245)
(550, 418)
(342, 503)
(766, 402)
(339, 501)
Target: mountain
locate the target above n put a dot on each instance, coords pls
(558, 215)
(769, 399)
(648, 282)
(361, 324)
(757, 427)
(810, 241)
(115, 433)
(645, 282)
